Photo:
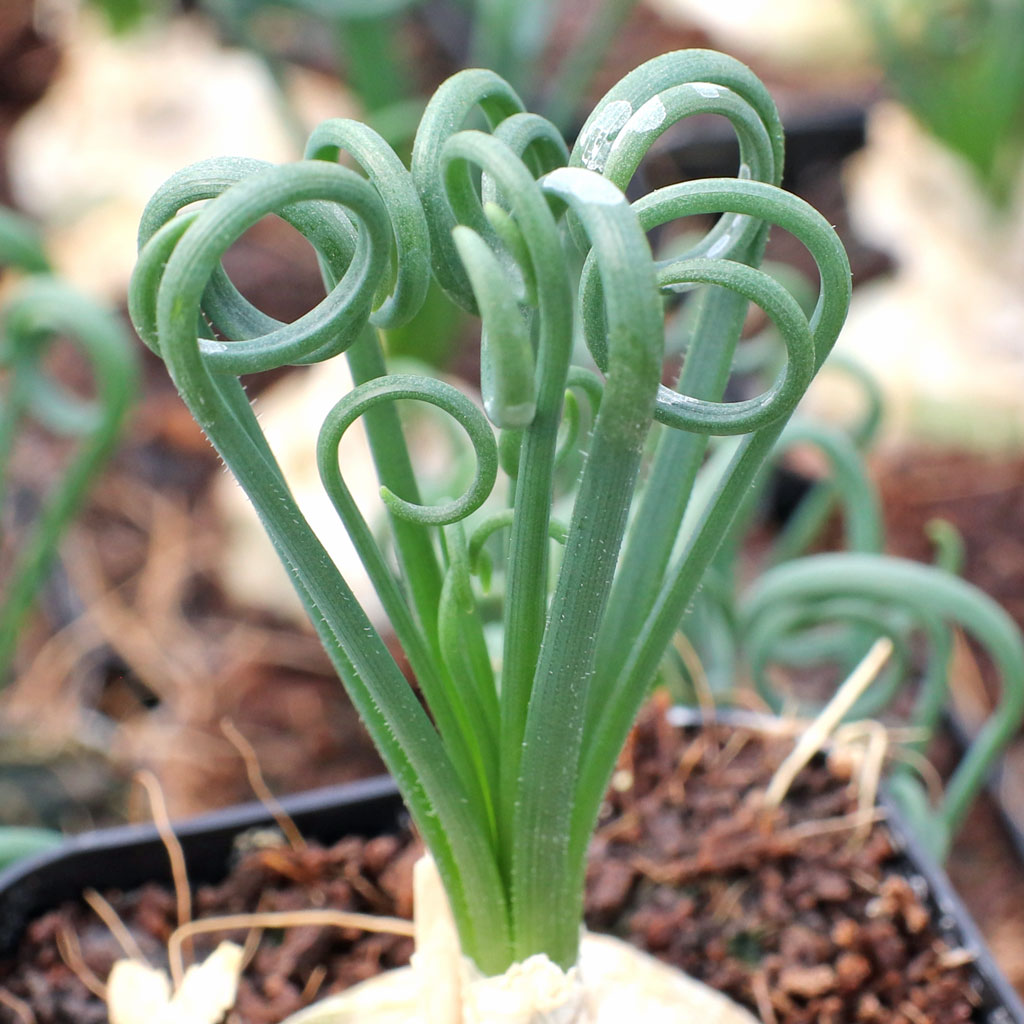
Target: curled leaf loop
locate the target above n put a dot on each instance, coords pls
(408, 222)
(321, 200)
(445, 397)
(445, 115)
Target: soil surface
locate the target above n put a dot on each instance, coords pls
(803, 914)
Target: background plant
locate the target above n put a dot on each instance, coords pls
(959, 67)
(369, 39)
(796, 612)
(38, 312)
(899, 599)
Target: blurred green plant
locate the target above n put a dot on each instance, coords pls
(17, 842)
(126, 15)
(37, 312)
(781, 616)
(21, 246)
(958, 65)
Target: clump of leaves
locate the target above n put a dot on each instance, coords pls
(528, 698)
(821, 614)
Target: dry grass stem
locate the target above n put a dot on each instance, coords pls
(701, 687)
(691, 757)
(763, 997)
(867, 745)
(17, 1006)
(870, 778)
(108, 915)
(732, 749)
(314, 983)
(748, 699)
(865, 881)
(179, 873)
(251, 946)
(259, 784)
(925, 769)
(71, 953)
(282, 919)
(809, 829)
(817, 734)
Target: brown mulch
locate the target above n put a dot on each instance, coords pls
(793, 915)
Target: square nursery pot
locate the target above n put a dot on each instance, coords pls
(129, 856)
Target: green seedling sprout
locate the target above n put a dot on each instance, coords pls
(505, 769)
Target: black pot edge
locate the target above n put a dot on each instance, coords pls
(1013, 823)
(370, 807)
(953, 920)
(963, 734)
(30, 886)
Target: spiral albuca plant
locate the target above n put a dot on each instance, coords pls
(505, 768)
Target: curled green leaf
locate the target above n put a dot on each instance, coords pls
(506, 354)
(445, 397)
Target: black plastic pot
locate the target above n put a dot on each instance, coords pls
(129, 856)
(1000, 1002)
